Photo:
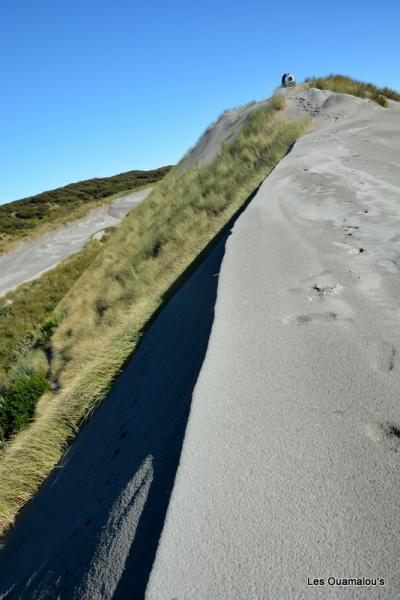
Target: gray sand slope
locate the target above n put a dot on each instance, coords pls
(92, 531)
(29, 260)
(224, 130)
(290, 463)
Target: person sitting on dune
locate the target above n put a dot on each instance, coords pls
(288, 80)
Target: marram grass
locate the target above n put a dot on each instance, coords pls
(106, 310)
(24, 310)
(341, 84)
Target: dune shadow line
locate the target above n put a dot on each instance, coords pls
(200, 280)
(51, 551)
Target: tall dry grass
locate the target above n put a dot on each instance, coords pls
(105, 312)
(342, 84)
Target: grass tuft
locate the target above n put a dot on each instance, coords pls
(27, 314)
(28, 318)
(341, 84)
(277, 102)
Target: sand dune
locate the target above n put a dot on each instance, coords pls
(290, 465)
(29, 260)
(224, 130)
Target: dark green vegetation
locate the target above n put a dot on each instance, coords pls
(19, 219)
(19, 402)
(346, 85)
(27, 321)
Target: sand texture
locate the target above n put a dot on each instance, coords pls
(290, 464)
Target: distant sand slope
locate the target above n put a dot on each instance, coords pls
(224, 130)
(30, 259)
(290, 464)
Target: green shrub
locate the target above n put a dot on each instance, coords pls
(18, 403)
(46, 329)
(27, 317)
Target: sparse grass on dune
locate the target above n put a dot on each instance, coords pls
(342, 84)
(277, 102)
(104, 314)
(24, 310)
(27, 320)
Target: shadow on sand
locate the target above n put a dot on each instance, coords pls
(92, 530)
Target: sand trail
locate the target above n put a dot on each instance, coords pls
(29, 260)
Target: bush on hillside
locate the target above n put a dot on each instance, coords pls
(18, 403)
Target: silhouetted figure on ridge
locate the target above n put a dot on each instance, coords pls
(288, 80)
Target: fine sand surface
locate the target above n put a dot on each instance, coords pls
(224, 130)
(29, 260)
(290, 466)
(92, 531)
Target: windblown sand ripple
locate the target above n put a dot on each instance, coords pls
(290, 465)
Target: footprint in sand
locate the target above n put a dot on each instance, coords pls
(350, 229)
(349, 249)
(387, 434)
(388, 265)
(326, 289)
(384, 356)
(309, 318)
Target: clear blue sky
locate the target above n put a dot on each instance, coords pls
(93, 87)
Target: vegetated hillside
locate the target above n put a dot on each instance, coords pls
(101, 319)
(342, 84)
(21, 218)
(27, 320)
